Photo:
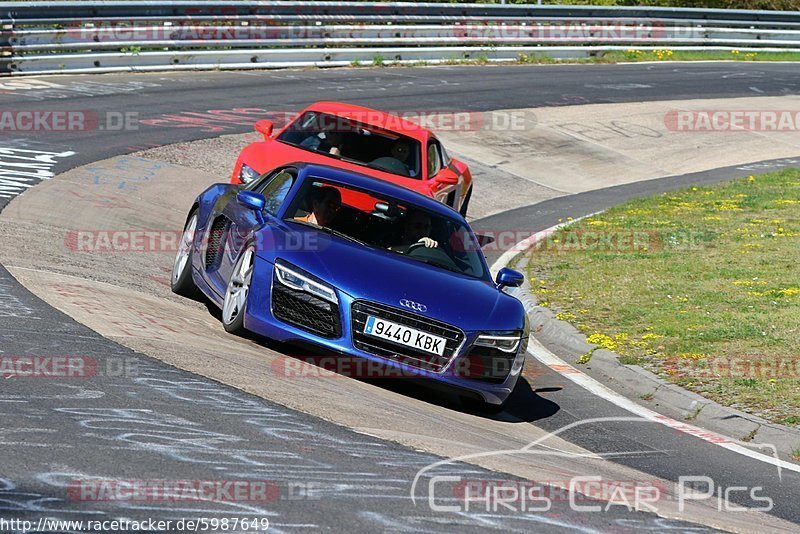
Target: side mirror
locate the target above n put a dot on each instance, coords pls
(389, 210)
(254, 201)
(509, 278)
(265, 128)
(446, 178)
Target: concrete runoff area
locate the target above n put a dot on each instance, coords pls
(582, 148)
(125, 295)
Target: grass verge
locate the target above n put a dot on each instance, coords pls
(691, 55)
(622, 56)
(701, 286)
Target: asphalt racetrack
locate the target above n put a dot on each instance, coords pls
(151, 421)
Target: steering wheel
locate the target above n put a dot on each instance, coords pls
(415, 246)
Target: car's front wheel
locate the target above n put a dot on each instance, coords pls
(182, 282)
(235, 304)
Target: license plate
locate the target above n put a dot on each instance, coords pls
(403, 335)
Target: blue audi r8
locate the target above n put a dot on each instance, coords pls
(361, 267)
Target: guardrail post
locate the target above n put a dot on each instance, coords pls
(6, 49)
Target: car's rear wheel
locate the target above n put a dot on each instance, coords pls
(235, 304)
(182, 282)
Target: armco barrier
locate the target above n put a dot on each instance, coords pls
(44, 37)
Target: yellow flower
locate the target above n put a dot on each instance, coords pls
(602, 340)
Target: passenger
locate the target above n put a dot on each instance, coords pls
(325, 204)
(332, 143)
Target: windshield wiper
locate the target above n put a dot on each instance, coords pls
(329, 231)
(373, 166)
(437, 264)
(311, 149)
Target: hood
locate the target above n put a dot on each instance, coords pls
(386, 277)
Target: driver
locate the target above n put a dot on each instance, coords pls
(401, 151)
(416, 228)
(325, 204)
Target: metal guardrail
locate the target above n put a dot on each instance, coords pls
(44, 37)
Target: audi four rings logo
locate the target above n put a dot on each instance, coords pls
(416, 306)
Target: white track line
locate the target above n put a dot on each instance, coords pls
(544, 355)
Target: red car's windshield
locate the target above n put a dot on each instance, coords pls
(359, 143)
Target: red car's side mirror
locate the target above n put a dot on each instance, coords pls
(265, 128)
(446, 178)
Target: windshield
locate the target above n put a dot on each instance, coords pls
(380, 222)
(352, 141)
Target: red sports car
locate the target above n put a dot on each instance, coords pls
(359, 139)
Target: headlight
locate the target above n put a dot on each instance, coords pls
(504, 341)
(247, 174)
(297, 279)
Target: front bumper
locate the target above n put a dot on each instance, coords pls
(260, 318)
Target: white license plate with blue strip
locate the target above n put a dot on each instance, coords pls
(403, 335)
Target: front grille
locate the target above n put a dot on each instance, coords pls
(407, 355)
(305, 310)
(486, 364)
(216, 238)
